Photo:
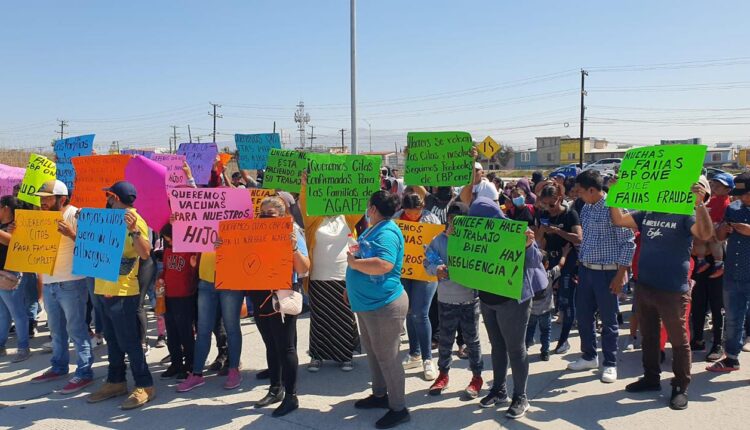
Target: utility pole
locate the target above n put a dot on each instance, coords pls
(215, 116)
(190, 135)
(274, 128)
(353, 66)
(312, 136)
(583, 113)
(63, 123)
(174, 131)
(302, 119)
(342, 139)
(198, 138)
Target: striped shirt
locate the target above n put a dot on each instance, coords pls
(604, 243)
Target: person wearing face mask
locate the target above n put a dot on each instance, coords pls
(519, 210)
(119, 304)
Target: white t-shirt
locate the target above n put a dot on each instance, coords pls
(329, 253)
(487, 189)
(64, 264)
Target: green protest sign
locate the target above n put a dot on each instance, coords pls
(341, 184)
(439, 159)
(488, 254)
(284, 170)
(39, 170)
(658, 178)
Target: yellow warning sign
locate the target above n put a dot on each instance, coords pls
(488, 147)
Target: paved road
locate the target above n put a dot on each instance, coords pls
(559, 399)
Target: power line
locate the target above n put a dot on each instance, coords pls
(214, 115)
(63, 123)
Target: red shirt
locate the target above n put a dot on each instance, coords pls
(717, 206)
(180, 278)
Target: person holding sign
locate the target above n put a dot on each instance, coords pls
(663, 290)
(605, 256)
(119, 302)
(374, 290)
(12, 303)
(65, 297)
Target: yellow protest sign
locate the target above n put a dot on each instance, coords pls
(417, 235)
(33, 246)
(488, 147)
(257, 195)
(39, 170)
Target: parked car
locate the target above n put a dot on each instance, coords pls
(569, 171)
(605, 165)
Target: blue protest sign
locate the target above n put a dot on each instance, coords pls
(200, 157)
(100, 240)
(65, 149)
(253, 149)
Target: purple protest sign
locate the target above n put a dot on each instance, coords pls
(146, 153)
(175, 175)
(200, 157)
(10, 177)
(149, 178)
(197, 212)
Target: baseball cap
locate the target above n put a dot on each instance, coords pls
(557, 174)
(478, 165)
(741, 184)
(724, 178)
(52, 187)
(124, 190)
(703, 181)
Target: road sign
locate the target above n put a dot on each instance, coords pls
(488, 147)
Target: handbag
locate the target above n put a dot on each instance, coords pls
(288, 302)
(9, 281)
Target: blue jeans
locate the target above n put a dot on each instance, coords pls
(209, 299)
(545, 330)
(418, 319)
(13, 307)
(594, 293)
(736, 300)
(66, 315)
(31, 295)
(121, 329)
(98, 323)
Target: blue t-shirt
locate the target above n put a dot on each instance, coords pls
(301, 245)
(666, 242)
(738, 246)
(366, 292)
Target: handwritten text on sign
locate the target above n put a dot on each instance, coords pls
(488, 254)
(284, 170)
(39, 170)
(100, 241)
(65, 150)
(439, 159)
(198, 211)
(33, 246)
(341, 184)
(200, 157)
(253, 149)
(658, 178)
(93, 173)
(255, 254)
(416, 237)
(175, 174)
(10, 177)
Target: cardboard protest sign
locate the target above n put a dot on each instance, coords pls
(149, 179)
(39, 170)
(341, 184)
(416, 236)
(143, 152)
(253, 149)
(93, 173)
(284, 170)
(34, 244)
(488, 254)
(65, 150)
(100, 241)
(10, 177)
(257, 195)
(255, 254)
(439, 159)
(197, 212)
(658, 178)
(200, 157)
(224, 159)
(176, 177)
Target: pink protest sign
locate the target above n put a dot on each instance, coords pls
(149, 178)
(175, 175)
(10, 177)
(197, 212)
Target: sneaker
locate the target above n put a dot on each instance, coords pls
(392, 419)
(429, 370)
(108, 391)
(609, 374)
(641, 385)
(582, 364)
(463, 352)
(314, 365)
(224, 371)
(193, 381)
(139, 397)
(544, 356)
(372, 402)
(171, 372)
(495, 397)
(474, 388)
(234, 379)
(217, 364)
(161, 341)
(632, 344)
(76, 384)
(746, 346)
(22, 354)
(412, 361)
(697, 345)
(347, 366)
(562, 349)
(679, 399)
(715, 354)
(47, 377)
(517, 408)
(182, 375)
(440, 384)
(724, 365)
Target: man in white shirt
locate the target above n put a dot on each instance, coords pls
(480, 187)
(65, 297)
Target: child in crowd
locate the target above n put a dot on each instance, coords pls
(543, 305)
(721, 185)
(179, 279)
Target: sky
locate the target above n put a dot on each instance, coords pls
(127, 71)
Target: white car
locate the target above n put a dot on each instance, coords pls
(605, 165)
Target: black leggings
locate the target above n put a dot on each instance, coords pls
(180, 319)
(146, 272)
(281, 349)
(707, 293)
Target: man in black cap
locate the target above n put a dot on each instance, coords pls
(119, 302)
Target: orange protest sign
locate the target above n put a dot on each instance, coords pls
(255, 254)
(224, 158)
(416, 236)
(94, 172)
(257, 195)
